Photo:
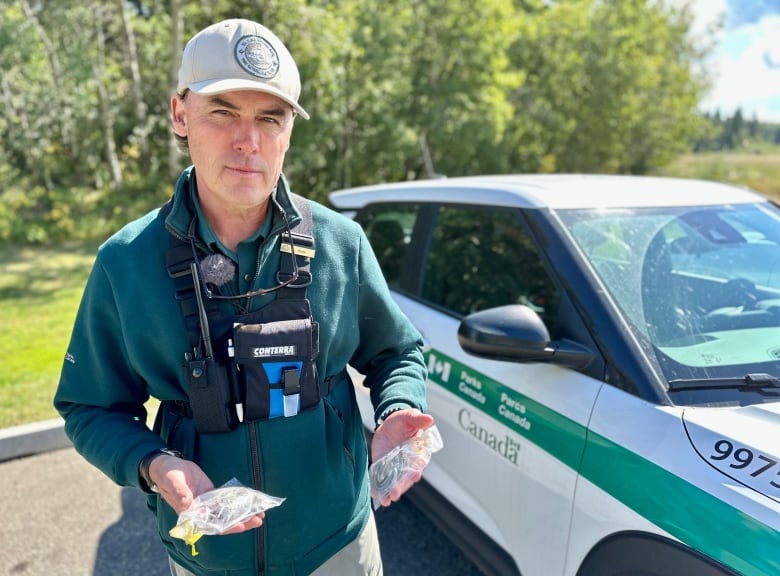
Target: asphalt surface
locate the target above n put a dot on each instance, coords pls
(61, 517)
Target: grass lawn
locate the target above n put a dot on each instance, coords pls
(759, 171)
(40, 290)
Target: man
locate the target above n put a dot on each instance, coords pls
(239, 306)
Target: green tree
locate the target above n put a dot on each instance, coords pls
(611, 86)
(396, 90)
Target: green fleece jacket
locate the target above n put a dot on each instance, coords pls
(128, 345)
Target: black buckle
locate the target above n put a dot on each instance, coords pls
(302, 240)
(178, 260)
(304, 279)
(180, 408)
(291, 381)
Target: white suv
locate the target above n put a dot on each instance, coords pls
(603, 355)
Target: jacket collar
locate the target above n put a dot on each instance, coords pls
(182, 212)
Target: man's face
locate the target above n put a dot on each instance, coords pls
(237, 142)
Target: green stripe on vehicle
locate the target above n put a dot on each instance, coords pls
(696, 517)
(552, 432)
(631, 479)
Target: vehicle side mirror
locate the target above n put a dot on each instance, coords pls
(516, 333)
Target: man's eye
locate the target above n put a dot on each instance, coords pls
(270, 119)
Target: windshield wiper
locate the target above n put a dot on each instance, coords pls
(749, 381)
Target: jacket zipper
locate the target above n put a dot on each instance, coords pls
(254, 451)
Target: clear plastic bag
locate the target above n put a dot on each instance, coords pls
(218, 510)
(407, 458)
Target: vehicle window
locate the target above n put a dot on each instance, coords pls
(389, 231)
(482, 258)
(701, 284)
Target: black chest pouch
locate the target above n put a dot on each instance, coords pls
(264, 366)
(259, 365)
(275, 366)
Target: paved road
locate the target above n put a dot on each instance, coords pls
(61, 517)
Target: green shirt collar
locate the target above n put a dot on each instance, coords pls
(206, 233)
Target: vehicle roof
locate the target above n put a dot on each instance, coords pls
(556, 191)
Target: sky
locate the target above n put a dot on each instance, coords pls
(745, 64)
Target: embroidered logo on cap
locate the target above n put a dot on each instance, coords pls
(255, 55)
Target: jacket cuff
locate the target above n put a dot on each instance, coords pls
(390, 410)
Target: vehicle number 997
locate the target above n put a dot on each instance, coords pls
(745, 459)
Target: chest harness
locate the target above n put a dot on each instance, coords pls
(251, 366)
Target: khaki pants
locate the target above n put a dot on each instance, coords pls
(360, 557)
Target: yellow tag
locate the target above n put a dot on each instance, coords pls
(191, 541)
(299, 250)
(186, 532)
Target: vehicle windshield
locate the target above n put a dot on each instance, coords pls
(700, 284)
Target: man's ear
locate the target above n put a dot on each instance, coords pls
(178, 116)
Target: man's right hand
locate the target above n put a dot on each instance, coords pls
(180, 481)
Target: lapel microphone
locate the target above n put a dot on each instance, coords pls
(217, 270)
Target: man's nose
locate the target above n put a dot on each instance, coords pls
(248, 137)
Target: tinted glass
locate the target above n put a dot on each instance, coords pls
(389, 230)
(482, 258)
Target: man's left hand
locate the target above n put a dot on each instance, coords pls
(395, 429)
